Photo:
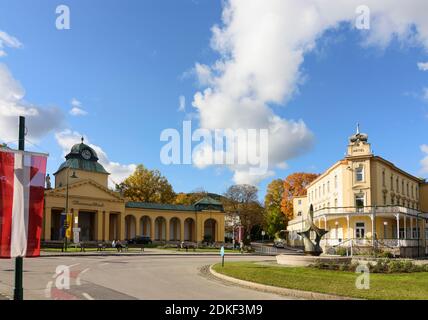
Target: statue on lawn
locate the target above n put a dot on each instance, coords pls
(312, 248)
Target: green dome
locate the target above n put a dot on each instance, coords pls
(78, 148)
(82, 157)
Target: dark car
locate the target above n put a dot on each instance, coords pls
(140, 240)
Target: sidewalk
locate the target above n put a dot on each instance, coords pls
(146, 252)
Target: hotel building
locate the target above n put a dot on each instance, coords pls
(365, 201)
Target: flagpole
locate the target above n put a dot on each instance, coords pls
(18, 293)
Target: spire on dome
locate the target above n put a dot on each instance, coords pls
(358, 136)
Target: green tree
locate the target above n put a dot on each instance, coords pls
(274, 220)
(146, 185)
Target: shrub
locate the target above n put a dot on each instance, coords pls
(386, 254)
(341, 251)
(381, 266)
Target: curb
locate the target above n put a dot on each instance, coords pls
(140, 255)
(277, 290)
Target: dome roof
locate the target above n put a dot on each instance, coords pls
(82, 157)
(358, 136)
(79, 147)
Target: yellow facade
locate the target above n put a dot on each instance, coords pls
(366, 200)
(100, 214)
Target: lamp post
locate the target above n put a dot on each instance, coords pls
(66, 226)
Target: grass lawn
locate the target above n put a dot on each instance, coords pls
(382, 286)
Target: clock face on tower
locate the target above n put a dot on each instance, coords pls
(86, 154)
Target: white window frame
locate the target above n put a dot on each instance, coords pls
(360, 195)
(357, 174)
(358, 229)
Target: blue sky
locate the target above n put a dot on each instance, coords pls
(127, 63)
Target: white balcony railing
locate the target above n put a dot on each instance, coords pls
(393, 243)
(366, 210)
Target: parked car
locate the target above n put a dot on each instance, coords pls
(279, 243)
(140, 240)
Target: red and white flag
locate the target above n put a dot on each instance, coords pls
(22, 180)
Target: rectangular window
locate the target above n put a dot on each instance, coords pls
(299, 202)
(299, 214)
(383, 178)
(360, 230)
(359, 202)
(359, 174)
(335, 182)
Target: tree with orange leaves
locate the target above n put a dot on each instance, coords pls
(295, 185)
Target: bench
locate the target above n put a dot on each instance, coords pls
(187, 246)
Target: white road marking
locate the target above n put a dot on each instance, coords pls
(87, 296)
(78, 276)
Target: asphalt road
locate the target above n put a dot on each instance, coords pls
(120, 277)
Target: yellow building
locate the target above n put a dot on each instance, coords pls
(100, 214)
(365, 201)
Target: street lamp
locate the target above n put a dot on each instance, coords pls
(66, 226)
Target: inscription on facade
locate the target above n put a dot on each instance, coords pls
(90, 204)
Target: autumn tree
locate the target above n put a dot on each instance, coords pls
(190, 198)
(146, 185)
(241, 200)
(295, 185)
(274, 220)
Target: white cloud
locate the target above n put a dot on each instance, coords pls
(39, 121)
(118, 172)
(7, 40)
(425, 94)
(262, 45)
(424, 161)
(282, 165)
(77, 109)
(203, 73)
(182, 103)
(423, 66)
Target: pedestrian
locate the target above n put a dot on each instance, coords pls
(119, 246)
(113, 244)
(241, 246)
